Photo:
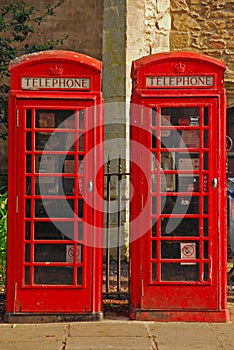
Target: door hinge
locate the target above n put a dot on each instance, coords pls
(17, 118)
(142, 288)
(16, 204)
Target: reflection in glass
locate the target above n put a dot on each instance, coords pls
(181, 204)
(81, 119)
(153, 205)
(54, 208)
(180, 226)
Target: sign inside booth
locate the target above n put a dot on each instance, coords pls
(187, 252)
(70, 253)
(42, 83)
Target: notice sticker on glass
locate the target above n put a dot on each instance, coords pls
(187, 252)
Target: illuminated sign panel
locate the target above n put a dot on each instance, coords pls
(180, 81)
(38, 83)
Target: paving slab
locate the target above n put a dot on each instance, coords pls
(108, 343)
(184, 336)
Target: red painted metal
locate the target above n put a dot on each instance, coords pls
(178, 272)
(43, 277)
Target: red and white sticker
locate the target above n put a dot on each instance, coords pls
(187, 252)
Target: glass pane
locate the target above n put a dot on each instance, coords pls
(188, 183)
(206, 165)
(180, 116)
(55, 118)
(81, 142)
(69, 186)
(154, 115)
(206, 249)
(167, 161)
(154, 180)
(27, 275)
(28, 118)
(206, 272)
(51, 231)
(154, 205)
(205, 227)
(154, 249)
(28, 208)
(54, 208)
(154, 225)
(79, 275)
(190, 139)
(28, 141)
(27, 253)
(80, 231)
(179, 250)
(180, 205)
(154, 272)
(206, 139)
(28, 164)
(206, 115)
(49, 163)
(80, 208)
(28, 230)
(53, 275)
(47, 185)
(205, 205)
(56, 253)
(59, 141)
(179, 227)
(81, 119)
(179, 272)
(168, 182)
(28, 186)
(154, 139)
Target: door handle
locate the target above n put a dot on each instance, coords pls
(214, 182)
(90, 186)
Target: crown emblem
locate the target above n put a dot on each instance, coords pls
(179, 67)
(56, 70)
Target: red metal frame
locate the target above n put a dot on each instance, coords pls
(156, 293)
(25, 295)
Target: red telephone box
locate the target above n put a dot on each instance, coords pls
(55, 150)
(178, 230)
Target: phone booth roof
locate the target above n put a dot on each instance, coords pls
(55, 63)
(176, 63)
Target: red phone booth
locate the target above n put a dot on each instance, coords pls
(55, 150)
(178, 223)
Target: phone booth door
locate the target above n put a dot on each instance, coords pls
(54, 255)
(177, 247)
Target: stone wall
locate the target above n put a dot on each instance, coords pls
(204, 26)
(82, 20)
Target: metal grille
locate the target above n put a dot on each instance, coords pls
(115, 272)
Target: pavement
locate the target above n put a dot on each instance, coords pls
(121, 334)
